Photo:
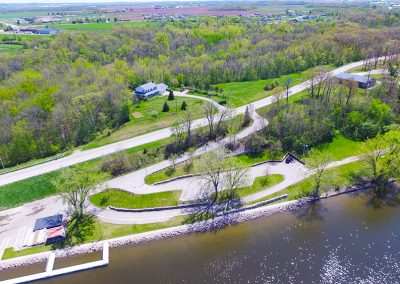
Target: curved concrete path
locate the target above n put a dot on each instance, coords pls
(82, 156)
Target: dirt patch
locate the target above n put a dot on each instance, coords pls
(137, 115)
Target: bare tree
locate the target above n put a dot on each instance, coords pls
(286, 83)
(352, 89)
(210, 111)
(321, 75)
(220, 169)
(319, 166)
(187, 122)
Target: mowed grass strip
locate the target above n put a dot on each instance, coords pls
(122, 199)
(260, 184)
(341, 176)
(10, 48)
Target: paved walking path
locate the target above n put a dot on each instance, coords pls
(82, 156)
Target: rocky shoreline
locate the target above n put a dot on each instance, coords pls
(203, 226)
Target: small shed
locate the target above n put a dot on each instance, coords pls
(55, 235)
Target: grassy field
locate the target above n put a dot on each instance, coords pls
(147, 117)
(39, 187)
(259, 184)
(122, 199)
(342, 176)
(241, 93)
(180, 169)
(98, 26)
(92, 230)
(10, 48)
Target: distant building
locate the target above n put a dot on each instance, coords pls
(150, 89)
(363, 81)
(47, 32)
(47, 230)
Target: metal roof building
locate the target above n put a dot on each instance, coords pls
(363, 82)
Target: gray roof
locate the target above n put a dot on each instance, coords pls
(357, 78)
(147, 86)
(48, 222)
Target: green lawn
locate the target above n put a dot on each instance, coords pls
(122, 199)
(341, 148)
(39, 187)
(253, 158)
(10, 48)
(180, 170)
(92, 230)
(241, 93)
(259, 184)
(98, 26)
(342, 176)
(144, 120)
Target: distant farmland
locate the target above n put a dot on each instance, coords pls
(97, 26)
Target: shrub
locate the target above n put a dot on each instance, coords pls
(165, 107)
(171, 96)
(184, 105)
(116, 165)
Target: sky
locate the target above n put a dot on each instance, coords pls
(82, 1)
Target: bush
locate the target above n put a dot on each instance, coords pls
(184, 105)
(271, 86)
(116, 165)
(255, 143)
(171, 96)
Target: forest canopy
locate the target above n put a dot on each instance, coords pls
(59, 93)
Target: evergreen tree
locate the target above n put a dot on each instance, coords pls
(171, 96)
(247, 117)
(184, 105)
(165, 107)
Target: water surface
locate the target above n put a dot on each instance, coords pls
(346, 239)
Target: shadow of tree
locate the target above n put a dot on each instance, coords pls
(79, 229)
(388, 196)
(314, 211)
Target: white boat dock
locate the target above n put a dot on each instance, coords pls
(50, 272)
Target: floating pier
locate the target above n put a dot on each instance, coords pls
(50, 272)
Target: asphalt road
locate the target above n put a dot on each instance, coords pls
(83, 156)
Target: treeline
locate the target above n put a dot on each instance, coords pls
(335, 109)
(61, 93)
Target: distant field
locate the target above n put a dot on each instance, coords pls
(22, 14)
(98, 26)
(9, 48)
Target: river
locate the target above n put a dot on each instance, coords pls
(345, 239)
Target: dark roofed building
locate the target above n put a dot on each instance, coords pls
(47, 32)
(48, 222)
(363, 82)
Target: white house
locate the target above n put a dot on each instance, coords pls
(150, 89)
